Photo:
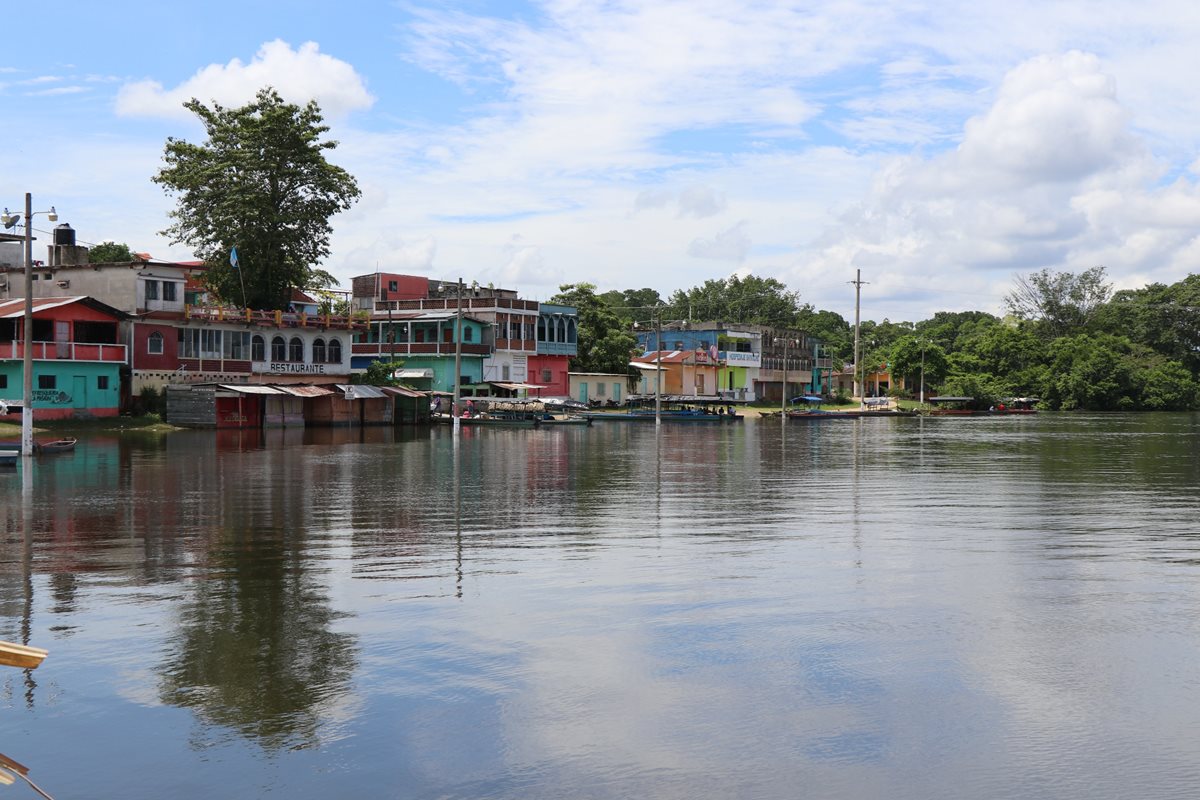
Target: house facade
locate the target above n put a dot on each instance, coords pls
(519, 342)
(78, 357)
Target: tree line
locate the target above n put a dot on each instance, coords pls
(1066, 338)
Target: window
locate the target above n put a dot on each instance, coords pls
(295, 349)
(468, 334)
(571, 331)
(335, 351)
(318, 351)
(505, 373)
(3, 381)
(258, 348)
(393, 286)
(101, 381)
(541, 330)
(210, 343)
(547, 376)
(47, 381)
(237, 343)
(600, 388)
(154, 344)
(151, 290)
(278, 349)
(168, 291)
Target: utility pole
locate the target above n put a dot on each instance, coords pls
(784, 393)
(658, 371)
(858, 373)
(922, 372)
(457, 422)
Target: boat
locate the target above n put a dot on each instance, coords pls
(66, 445)
(674, 408)
(812, 411)
(552, 421)
(21, 656)
(967, 407)
(9, 457)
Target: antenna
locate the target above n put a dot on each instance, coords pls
(11, 220)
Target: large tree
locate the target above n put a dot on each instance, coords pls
(260, 183)
(605, 342)
(1063, 302)
(761, 301)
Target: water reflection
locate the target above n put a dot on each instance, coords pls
(932, 608)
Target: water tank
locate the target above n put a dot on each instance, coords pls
(64, 234)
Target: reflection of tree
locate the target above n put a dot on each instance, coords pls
(255, 651)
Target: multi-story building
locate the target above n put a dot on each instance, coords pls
(522, 344)
(77, 356)
(746, 362)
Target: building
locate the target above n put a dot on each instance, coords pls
(78, 356)
(519, 343)
(599, 387)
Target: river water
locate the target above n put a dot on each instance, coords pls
(910, 608)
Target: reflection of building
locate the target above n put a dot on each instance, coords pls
(77, 356)
(507, 340)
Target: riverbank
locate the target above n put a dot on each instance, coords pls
(150, 423)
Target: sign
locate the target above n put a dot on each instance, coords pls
(51, 396)
(289, 368)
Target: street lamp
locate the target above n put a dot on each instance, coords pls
(923, 343)
(27, 402)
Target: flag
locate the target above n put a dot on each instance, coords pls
(233, 262)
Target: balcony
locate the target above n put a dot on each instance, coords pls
(65, 351)
(468, 303)
(557, 348)
(274, 319)
(403, 349)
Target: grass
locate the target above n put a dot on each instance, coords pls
(151, 423)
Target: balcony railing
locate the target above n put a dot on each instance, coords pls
(469, 304)
(65, 351)
(401, 349)
(274, 319)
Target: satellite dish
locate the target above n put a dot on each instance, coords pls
(11, 220)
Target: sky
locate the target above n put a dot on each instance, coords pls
(942, 148)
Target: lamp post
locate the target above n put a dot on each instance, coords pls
(27, 346)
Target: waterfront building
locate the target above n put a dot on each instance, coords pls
(78, 356)
(599, 387)
(749, 360)
(519, 345)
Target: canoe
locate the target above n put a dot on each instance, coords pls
(56, 446)
(20, 655)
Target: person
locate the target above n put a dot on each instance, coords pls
(436, 406)
(470, 408)
(731, 412)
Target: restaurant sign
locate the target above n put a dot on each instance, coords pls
(288, 368)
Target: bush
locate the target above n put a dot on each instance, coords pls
(152, 401)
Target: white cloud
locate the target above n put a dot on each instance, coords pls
(298, 75)
(729, 245)
(700, 201)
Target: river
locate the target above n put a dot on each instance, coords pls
(880, 608)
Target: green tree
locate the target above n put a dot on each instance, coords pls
(380, 373)
(913, 355)
(605, 342)
(759, 301)
(110, 253)
(634, 305)
(830, 329)
(1063, 302)
(1167, 386)
(260, 183)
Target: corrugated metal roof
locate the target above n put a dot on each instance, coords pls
(304, 391)
(402, 391)
(360, 392)
(516, 386)
(245, 388)
(12, 309)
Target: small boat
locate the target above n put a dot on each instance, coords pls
(56, 446)
(552, 421)
(812, 412)
(21, 656)
(9, 457)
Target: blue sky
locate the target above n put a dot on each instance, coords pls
(941, 149)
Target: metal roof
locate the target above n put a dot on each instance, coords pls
(516, 386)
(246, 388)
(402, 391)
(354, 391)
(304, 391)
